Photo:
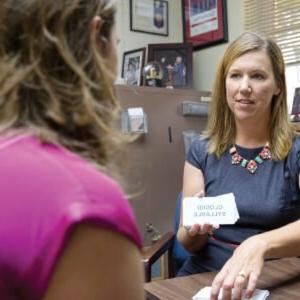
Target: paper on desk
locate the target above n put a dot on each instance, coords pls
(204, 294)
(215, 210)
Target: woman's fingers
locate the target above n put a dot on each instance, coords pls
(209, 228)
(231, 284)
(206, 228)
(199, 194)
(202, 229)
(218, 283)
(251, 284)
(194, 230)
(242, 281)
(214, 227)
(234, 281)
(239, 284)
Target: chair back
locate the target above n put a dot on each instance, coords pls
(179, 254)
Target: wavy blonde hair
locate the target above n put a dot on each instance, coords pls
(53, 79)
(221, 128)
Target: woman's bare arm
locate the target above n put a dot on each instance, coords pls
(193, 184)
(97, 264)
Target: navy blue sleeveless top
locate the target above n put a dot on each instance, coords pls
(266, 200)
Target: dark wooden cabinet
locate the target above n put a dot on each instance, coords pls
(156, 159)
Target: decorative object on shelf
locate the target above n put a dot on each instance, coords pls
(192, 108)
(153, 74)
(204, 22)
(149, 16)
(134, 120)
(132, 66)
(295, 113)
(176, 62)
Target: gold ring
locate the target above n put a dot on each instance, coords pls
(242, 274)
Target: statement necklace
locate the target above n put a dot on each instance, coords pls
(252, 164)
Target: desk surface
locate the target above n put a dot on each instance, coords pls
(281, 277)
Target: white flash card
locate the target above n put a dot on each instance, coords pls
(214, 210)
(204, 294)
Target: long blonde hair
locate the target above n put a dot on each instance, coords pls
(221, 128)
(53, 79)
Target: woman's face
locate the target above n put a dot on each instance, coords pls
(250, 86)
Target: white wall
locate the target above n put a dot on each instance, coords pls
(205, 60)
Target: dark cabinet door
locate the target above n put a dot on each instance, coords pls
(156, 159)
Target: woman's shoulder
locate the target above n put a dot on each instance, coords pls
(72, 188)
(295, 149)
(201, 143)
(293, 158)
(199, 146)
(51, 191)
(198, 152)
(296, 142)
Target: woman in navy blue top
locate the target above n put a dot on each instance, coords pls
(250, 149)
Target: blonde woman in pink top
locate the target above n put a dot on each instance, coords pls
(66, 229)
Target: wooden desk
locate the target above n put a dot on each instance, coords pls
(281, 277)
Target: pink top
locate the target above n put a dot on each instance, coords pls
(44, 191)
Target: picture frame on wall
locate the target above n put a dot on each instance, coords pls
(132, 66)
(176, 61)
(205, 22)
(295, 112)
(149, 16)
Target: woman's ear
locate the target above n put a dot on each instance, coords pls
(278, 90)
(95, 29)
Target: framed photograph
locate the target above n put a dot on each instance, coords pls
(132, 67)
(296, 105)
(204, 22)
(176, 62)
(149, 16)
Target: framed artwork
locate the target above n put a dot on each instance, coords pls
(149, 16)
(176, 62)
(132, 66)
(296, 105)
(204, 22)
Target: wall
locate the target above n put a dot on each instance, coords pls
(205, 61)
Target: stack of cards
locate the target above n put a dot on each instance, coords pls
(214, 210)
(204, 294)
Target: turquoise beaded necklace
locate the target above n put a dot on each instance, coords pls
(252, 164)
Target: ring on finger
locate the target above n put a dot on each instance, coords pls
(242, 274)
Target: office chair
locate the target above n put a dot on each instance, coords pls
(169, 244)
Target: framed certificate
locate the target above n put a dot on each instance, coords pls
(204, 22)
(149, 16)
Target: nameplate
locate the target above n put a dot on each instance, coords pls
(220, 210)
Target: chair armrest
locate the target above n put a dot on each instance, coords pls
(150, 254)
